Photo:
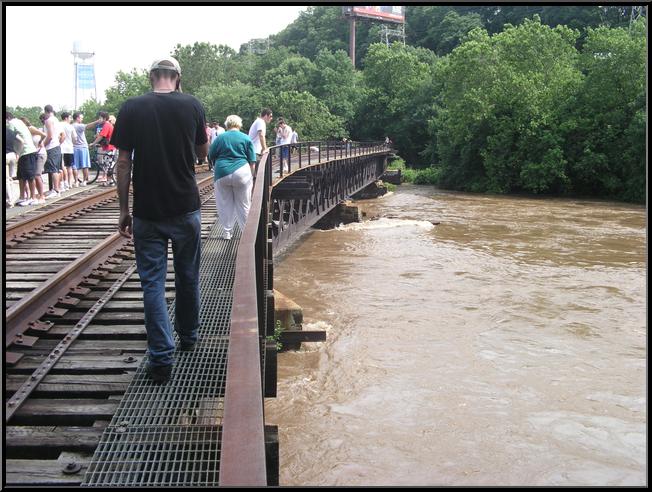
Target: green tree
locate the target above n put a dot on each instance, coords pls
(134, 83)
(235, 98)
(606, 133)
(337, 84)
(498, 128)
(308, 116)
(295, 73)
(31, 113)
(205, 64)
(398, 80)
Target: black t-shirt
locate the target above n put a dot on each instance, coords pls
(162, 129)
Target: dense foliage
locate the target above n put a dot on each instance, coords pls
(501, 99)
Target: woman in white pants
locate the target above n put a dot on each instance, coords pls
(234, 159)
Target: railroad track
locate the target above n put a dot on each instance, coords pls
(66, 372)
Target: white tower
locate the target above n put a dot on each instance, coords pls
(84, 70)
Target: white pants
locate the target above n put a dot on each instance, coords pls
(233, 197)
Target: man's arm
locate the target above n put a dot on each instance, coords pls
(98, 137)
(123, 177)
(201, 151)
(35, 131)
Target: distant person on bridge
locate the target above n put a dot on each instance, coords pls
(26, 171)
(230, 153)
(14, 144)
(165, 129)
(218, 130)
(67, 149)
(294, 140)
(259, 129)
(38, 137)
(285, 134)
(81, 156)
(54, 137)
(106, 152)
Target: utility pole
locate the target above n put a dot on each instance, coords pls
(352, 40)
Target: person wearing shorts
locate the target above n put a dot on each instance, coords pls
(52, 143)
(81, 156)
(67, 150)
(53, 161)
(26, 169)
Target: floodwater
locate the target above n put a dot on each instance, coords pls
(504, 346)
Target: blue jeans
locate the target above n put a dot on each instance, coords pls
(151, 245)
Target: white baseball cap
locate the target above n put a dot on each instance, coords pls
(167, 63)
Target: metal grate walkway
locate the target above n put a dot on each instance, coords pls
(169, 435)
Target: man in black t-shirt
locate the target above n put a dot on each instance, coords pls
(164, 129)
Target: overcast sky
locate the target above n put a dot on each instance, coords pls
(39, 66)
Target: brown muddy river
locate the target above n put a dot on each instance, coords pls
(504, 346)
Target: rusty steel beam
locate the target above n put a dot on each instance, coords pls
(242, 457)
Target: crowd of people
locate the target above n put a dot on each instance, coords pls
(157, 139)
(57, 149)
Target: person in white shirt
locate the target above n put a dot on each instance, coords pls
(68, 151)
(52, 143)
(82, 160)
(285, 138)
(259, 129)
(293, 140)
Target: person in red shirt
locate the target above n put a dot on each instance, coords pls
(107, 152)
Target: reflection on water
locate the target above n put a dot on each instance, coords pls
(506, 345)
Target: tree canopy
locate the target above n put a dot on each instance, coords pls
(501, 99)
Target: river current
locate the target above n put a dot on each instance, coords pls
(471, 340)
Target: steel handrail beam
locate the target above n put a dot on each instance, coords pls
(242, 457)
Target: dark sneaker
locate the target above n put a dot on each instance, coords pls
(187, 346)
(159, 374)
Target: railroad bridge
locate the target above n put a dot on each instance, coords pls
(79, 408)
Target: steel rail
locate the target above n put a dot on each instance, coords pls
(56, 289)
(47, 218)
(21, 395)
(43, 369)
(42, 300)
(62, 211)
